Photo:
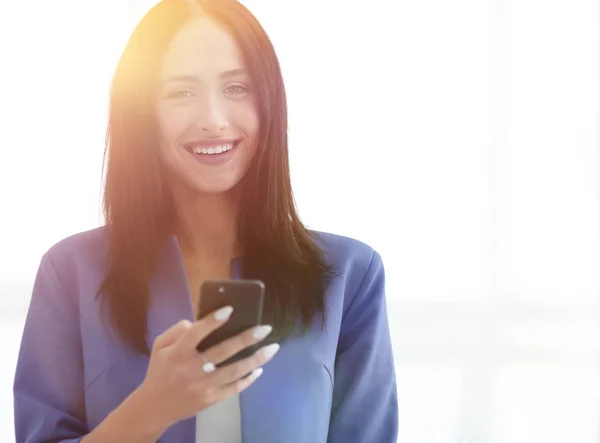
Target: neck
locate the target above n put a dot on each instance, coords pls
(206, 225)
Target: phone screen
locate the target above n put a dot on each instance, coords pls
(246, 297)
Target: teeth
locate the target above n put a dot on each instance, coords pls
(213, 149)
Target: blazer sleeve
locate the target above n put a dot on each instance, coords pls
(365, 402)
(48, 385)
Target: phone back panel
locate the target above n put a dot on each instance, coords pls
(246, 297)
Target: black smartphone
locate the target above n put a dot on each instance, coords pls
(246, 297)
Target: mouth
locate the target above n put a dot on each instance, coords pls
(211, 148)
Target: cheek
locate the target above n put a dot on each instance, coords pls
(172, 124)
(246, 118)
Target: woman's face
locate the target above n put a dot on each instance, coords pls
(206, 109)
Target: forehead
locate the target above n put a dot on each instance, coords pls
(201, 46)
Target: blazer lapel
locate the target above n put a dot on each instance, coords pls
(170, 302)
(170, 299)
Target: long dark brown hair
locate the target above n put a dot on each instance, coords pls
(278, 248)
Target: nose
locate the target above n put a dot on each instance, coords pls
(212, 116)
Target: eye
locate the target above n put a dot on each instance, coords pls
(236, 89)
(181, 94)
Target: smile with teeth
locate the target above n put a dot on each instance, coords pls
(212, 150)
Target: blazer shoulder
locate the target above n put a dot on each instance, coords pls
(93, 240)
(80, 254)
(344, 251)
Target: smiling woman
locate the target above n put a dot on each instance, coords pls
(197, 189)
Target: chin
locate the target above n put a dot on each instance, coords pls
(213, 188)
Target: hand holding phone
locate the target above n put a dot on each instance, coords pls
(246, 297)
(177, 384)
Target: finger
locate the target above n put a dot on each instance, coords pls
(171, 335)
(230, 347)
(235, 371)
(226, 391)
(202, 328)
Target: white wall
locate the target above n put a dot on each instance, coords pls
(458, 138)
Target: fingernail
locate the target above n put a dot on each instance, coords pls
(261, 332)
(271, 350)
(223, 313)
(257, 373)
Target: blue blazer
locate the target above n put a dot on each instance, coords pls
(335, 385)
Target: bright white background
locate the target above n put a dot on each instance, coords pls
(460, 139)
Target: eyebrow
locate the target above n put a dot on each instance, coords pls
(196, 79)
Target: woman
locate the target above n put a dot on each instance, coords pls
(198, 188)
